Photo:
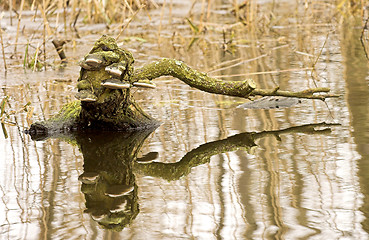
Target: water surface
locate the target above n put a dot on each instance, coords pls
(218, 172)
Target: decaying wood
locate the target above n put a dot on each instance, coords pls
(101, 107)
(58, 44)
(201, 81)
(194, 78)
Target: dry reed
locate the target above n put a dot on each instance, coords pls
(252, 20)
(2, 45)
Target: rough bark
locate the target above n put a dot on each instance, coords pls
(201, 81)
(194, 78)
(105, 107)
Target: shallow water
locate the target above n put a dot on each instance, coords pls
(220, 172)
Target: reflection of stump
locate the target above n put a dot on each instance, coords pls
(110, 161)
(108, 181)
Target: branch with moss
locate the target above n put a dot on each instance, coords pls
(201, 81)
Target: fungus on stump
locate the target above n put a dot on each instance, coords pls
(104, 91)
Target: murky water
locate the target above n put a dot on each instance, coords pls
(211, 170)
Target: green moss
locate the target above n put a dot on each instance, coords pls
(105, 43)
(69, 112)
(116, 109)
(194, 78)
(84, 84)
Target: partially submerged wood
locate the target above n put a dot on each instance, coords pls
(104, 91)
(58, 44)
(105, 99)
(194, 78)
(201, 81)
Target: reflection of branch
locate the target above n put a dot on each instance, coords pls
(202, 154)
(365, 27)
(198, 156)
(307, 129)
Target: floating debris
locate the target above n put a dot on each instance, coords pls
(271, 103)
(66, 79)
(144, 84)
(115, 84)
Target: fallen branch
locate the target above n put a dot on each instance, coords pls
(308, 93)
(201, 81)
(104, 90)
(194, 78)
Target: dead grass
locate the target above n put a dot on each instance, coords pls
(249, 23)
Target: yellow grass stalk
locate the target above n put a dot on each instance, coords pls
(36, 58)
(10, 3)
(2, 44)
(161, 20)
(124, 26)
(18, 26)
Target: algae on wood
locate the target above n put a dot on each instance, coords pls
(201, 81)
(104, 91)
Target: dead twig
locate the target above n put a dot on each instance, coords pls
(58, 44)
(308, 93)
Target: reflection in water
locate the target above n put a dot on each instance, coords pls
(110, 164)
(108, 182)
(356, 76)
(202, 154)
(303, 187)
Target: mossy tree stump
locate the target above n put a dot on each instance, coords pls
(104, 91)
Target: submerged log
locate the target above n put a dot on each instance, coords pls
(104, 91)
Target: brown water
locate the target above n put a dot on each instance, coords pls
(221, 172)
